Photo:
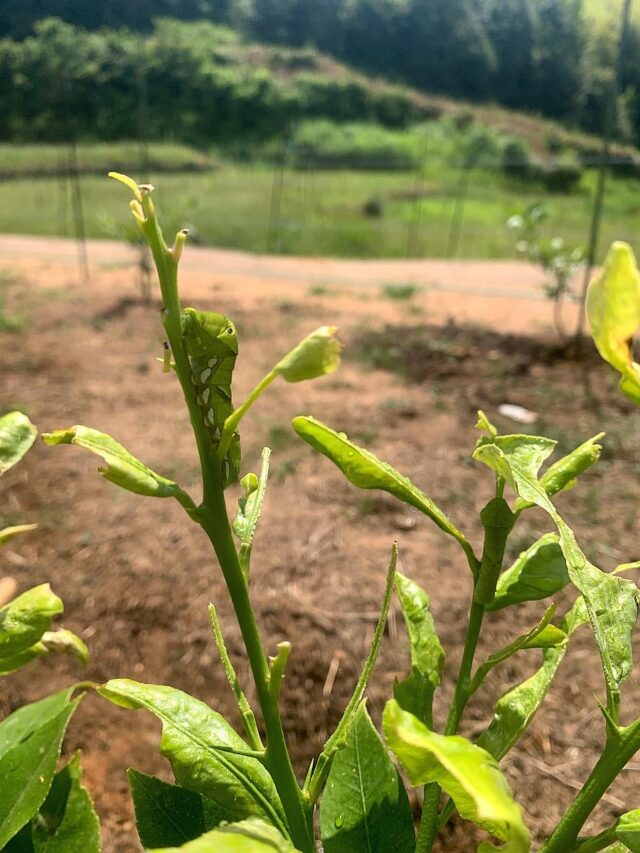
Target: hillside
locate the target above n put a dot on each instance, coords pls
(205, 86)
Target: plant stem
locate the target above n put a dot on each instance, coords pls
(461, 693)
(236, 416)
(617, 752)
(598, 842)
(429, 820)
(215, 523)
(213, 518)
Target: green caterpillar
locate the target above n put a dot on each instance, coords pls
(211, 342)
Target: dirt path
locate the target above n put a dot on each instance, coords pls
(502, 294)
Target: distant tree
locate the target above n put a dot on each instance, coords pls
(559, 51)
(446, 48)
(512, 27)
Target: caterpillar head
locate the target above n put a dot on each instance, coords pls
(208, 333)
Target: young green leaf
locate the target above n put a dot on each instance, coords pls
(468, 774)
(30, 746)
(613, 308)
(25, 619)
(366, 471)
(612, 602)
(247, 836)
(539, 572)
(66, 822)
(484, 424)
(316, 355)
(542, 636)
(17, 434)
(168, 815)
(206, 754)
(249, 508)
(364, 805)
(60, 642)
(628, 830)
(562, 475)
(338, 740)
(8, 533)
(123, 469)
(415, 693)
(518, 706)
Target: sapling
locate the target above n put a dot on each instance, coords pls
(560, 261)
(235, 793)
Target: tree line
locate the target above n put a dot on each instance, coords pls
(536, 55)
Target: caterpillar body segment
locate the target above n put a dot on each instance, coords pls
(211, 342)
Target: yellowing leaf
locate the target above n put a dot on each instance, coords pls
(17, 434)
(468, 774)
(613, 308)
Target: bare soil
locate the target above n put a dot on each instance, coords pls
(136, 576)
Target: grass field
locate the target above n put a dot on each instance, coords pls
(98, 157)
(323, 213)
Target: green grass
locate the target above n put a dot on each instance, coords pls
(321, 213)
(99, 158)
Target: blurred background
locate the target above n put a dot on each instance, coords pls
(365, 128)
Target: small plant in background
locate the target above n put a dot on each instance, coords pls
(556, 258)
(400, 292)
(236, 793)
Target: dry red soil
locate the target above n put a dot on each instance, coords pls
(137, 576)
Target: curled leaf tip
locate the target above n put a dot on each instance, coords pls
(316, 355)
(131, 184)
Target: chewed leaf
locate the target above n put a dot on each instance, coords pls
(415, 693)
(366, 471)
(249, 508)
(542, 636)
(17, 434)
(316, 355)
(123, 469)
(612, 602)
(539, 572)
(562, 475)
(518, 706)
(613, 308)
(468, 774)
(200, 745)
(25, 619)
(248, 836)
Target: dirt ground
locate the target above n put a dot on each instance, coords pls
(136, 576)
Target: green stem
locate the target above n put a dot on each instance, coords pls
(618, 751)
(214, 520)
(215, 523)
(461, 693)
(598, 842)
(429, 820)
(231, 423)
